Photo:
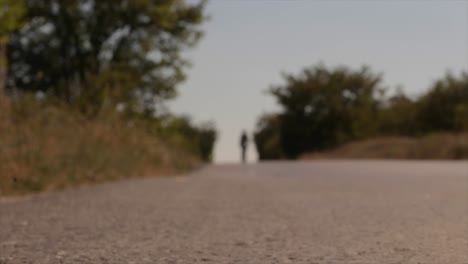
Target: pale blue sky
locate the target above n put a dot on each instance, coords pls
(248, 43)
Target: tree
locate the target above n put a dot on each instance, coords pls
(322, 108)
(93, 52)
(398, 116)
(207, 136)
(11, 13)
(181, 131)
(267, 137)
(445, 106)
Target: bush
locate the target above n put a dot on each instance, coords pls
(45, 146)
(267, 138)
(182, 132)
(324, 108)
(445, 106)
(440, 146)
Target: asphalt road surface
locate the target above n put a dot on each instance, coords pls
(317, 212)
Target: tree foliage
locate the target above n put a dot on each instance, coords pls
(100, 55)
(181, 131)
(445, 106)
(398, 116)
(323, 108)
(267, 137)
(11, 17)
(11, 13)
(95, 52)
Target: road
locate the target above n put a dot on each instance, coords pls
(316, 212)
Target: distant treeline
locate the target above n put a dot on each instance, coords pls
(323, 108)
(101, 55)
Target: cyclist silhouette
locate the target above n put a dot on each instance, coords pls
(244, 141)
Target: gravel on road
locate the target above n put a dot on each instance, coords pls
(280, 212)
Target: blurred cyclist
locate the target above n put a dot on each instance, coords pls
(244, 141)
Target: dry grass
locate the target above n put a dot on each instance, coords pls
(442, 146)
(44, 147)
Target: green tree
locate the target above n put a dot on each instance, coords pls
(198, 139)
(267, 137)
(445, 106)
(323, 107)
(11, 14)
(97, 52)
(207, 136)
(398, 116)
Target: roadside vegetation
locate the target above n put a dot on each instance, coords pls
(346, 113)
(83, 92)
(440, 146)
(49, 147)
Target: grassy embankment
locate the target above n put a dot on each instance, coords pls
(45, 147)
(437, 146)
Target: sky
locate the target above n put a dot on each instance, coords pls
(249, 43)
